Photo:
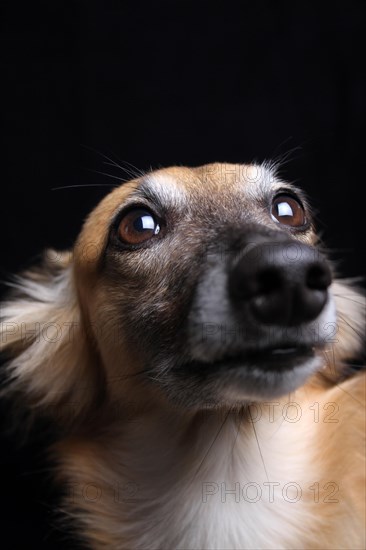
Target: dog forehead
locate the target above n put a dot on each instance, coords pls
(180, 184)
(210, 186)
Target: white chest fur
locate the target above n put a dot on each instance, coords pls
(247, 489)
(215, 483)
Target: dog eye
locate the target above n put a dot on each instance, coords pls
(138, 226)
(288, 211)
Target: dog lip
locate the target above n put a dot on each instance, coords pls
(284, 357)
(279, 351)
(277, 357)
(285, 350)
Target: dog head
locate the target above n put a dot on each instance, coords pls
(196, 286)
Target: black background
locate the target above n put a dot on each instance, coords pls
(161, 83)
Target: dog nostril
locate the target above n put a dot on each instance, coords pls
(318, 277)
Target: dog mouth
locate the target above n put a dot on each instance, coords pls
(279, 358)
(266, 373)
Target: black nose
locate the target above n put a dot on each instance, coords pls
(283, 283)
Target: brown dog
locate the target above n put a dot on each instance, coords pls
(193, 348)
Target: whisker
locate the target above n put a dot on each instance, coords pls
(101, 155)
(108, 175)
(213, 443)
(330, 362)
(241, 414)
(352, 396)
(259, 447)
(350, 326)
(332, 366)
(113, 163)
(83, 185)
(284, 159)
(281, 144)
(131, 174)
(136, 171)
(133, 169)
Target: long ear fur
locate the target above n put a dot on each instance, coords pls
(42, 335)
(351, 317)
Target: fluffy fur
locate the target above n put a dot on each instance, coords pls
(143, 469)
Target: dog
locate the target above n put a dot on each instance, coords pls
(193, 349)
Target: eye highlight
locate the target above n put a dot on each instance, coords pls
(287, 210)
(138, 226)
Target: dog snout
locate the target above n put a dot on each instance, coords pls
(282, 283)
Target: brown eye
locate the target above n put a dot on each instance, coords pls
(138, 226)
(288, 211)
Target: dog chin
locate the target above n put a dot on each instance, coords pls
(253, 383)
(251, 377)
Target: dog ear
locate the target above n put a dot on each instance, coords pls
(45, 342)
(349, 336)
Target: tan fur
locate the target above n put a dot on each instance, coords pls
(136, 465)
